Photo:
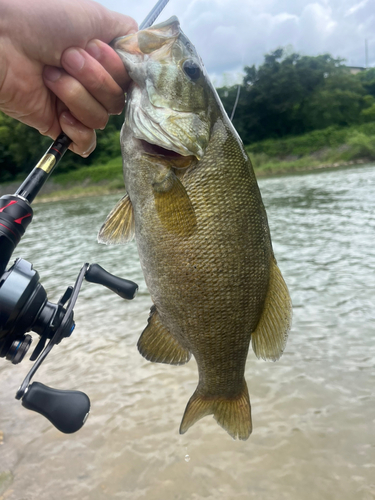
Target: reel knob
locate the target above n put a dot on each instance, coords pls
(126, 289)
(66, 410)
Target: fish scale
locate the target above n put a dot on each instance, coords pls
(201, 230)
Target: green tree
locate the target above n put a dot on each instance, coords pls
(290, 94)
(367, 78)
(22, 146)
(339, 100)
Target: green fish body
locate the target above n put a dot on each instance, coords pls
(195, 209)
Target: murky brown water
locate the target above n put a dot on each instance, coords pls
(313, 411)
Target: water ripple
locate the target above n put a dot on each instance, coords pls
(313, 410)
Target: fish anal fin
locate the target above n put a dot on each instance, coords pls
(269, 338)
(157, 344)
(232, 414)
(118, 227)
(173, 206)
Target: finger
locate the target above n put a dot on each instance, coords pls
(94, 77)
(110, 61)
(50, 125)
(83, 138)
(81, 104)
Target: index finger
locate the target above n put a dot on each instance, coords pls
(110, 61)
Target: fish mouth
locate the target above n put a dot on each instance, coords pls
(176, 159)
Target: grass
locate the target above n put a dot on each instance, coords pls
(301, 145)
(87, 181)
(110, 172)
(317, 149)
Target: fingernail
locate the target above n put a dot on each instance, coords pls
(52, 73)
(74, 59)
(89, 151)
(94, 50)
(68, 118)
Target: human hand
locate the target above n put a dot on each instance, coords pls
(57, 71)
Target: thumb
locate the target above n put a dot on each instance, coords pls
(107, 24)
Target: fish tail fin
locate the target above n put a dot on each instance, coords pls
(233, 414)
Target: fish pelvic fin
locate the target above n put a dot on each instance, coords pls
(173, 206)
(118, 227)
(269, 339)
(159, 345)
(233, 414)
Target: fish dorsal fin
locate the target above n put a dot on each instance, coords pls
(173, 205)
(157, 343)
(269, 339)
(118, 227)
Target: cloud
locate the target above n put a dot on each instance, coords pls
(230, 34)
(356, 7)
(316, 26)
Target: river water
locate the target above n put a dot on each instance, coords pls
(313, 410)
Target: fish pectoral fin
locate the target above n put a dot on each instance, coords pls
(269, 338)
(173, 205)
(233, 414)
(118, 227)
(159, 345)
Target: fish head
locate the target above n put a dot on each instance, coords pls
(171, 102)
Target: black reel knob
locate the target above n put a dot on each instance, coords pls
(66, 410)
(126, 289)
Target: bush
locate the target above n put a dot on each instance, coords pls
(362, 145)
(368, 114)
(303, 145)
(110, 171)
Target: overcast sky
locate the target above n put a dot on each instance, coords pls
(230, 34)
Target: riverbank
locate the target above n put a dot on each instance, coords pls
(80, 183)
(327, 148)
(317, 150)
(86, 181)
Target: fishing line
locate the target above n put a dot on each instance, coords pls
(235, 102)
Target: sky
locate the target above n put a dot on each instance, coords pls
(231, 34)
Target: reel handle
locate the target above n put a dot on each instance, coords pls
(66, 410)
(126, 289)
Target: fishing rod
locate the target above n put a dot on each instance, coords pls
(24, 305)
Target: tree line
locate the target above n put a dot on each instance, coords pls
(287, 95)
(294, 94)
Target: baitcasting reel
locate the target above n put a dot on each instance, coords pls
(24, 306)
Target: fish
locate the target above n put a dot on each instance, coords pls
(194, 207)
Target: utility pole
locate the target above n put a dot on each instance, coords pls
(366, 52)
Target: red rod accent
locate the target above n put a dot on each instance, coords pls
(18, 221)
(9, 204)
(8, 229)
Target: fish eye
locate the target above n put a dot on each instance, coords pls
(192, 70)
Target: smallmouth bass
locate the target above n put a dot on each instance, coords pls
(195, 209)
